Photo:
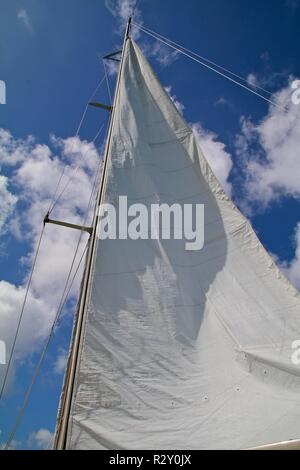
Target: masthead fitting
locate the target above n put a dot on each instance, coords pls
(128, 27)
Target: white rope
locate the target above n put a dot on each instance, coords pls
(155, 36)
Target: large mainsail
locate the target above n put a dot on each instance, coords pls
(180, 349)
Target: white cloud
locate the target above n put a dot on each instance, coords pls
(11, 298)
(36, 179)
(78, 152)
(121, 10)
(14, 445)
(37, 320)
(13, 151)
(252, 80)
(268, 79)
(292, 269)
(42, 438)
(180, 106)
(112, 67)
(60, 362)
(23, 16)
(7, 202)
(218, 158)
(163, 54)
(36, 172)
(224, 102)
(271, 152)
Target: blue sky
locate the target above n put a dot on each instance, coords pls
(50, 60)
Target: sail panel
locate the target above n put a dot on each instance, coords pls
(181, 349)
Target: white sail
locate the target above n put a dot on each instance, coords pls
(181, 349)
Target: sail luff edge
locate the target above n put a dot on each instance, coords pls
(60, 441)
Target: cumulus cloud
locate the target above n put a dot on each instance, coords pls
(60, 362)
(224, 102)
(112, 67)
(163, 54)
(23, 16)
(14, 445)
(13, 151)
(37, 168)
(292, 269)
(7, 202)
(180, 106)
(252, 79)
(121, 10)
(266, 80)
(270, 152)
(42, 439)
(215, 152)
(36, 324)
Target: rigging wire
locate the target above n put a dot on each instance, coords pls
(54, 198)
(98, 133)
(22, 312)
(42, 357)
(62, 303)
(57, 198)
(78, 166)
(51, 206)
(107, 82)
(30, 279)
(69, 385)
(155, 36)
(205, 59)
